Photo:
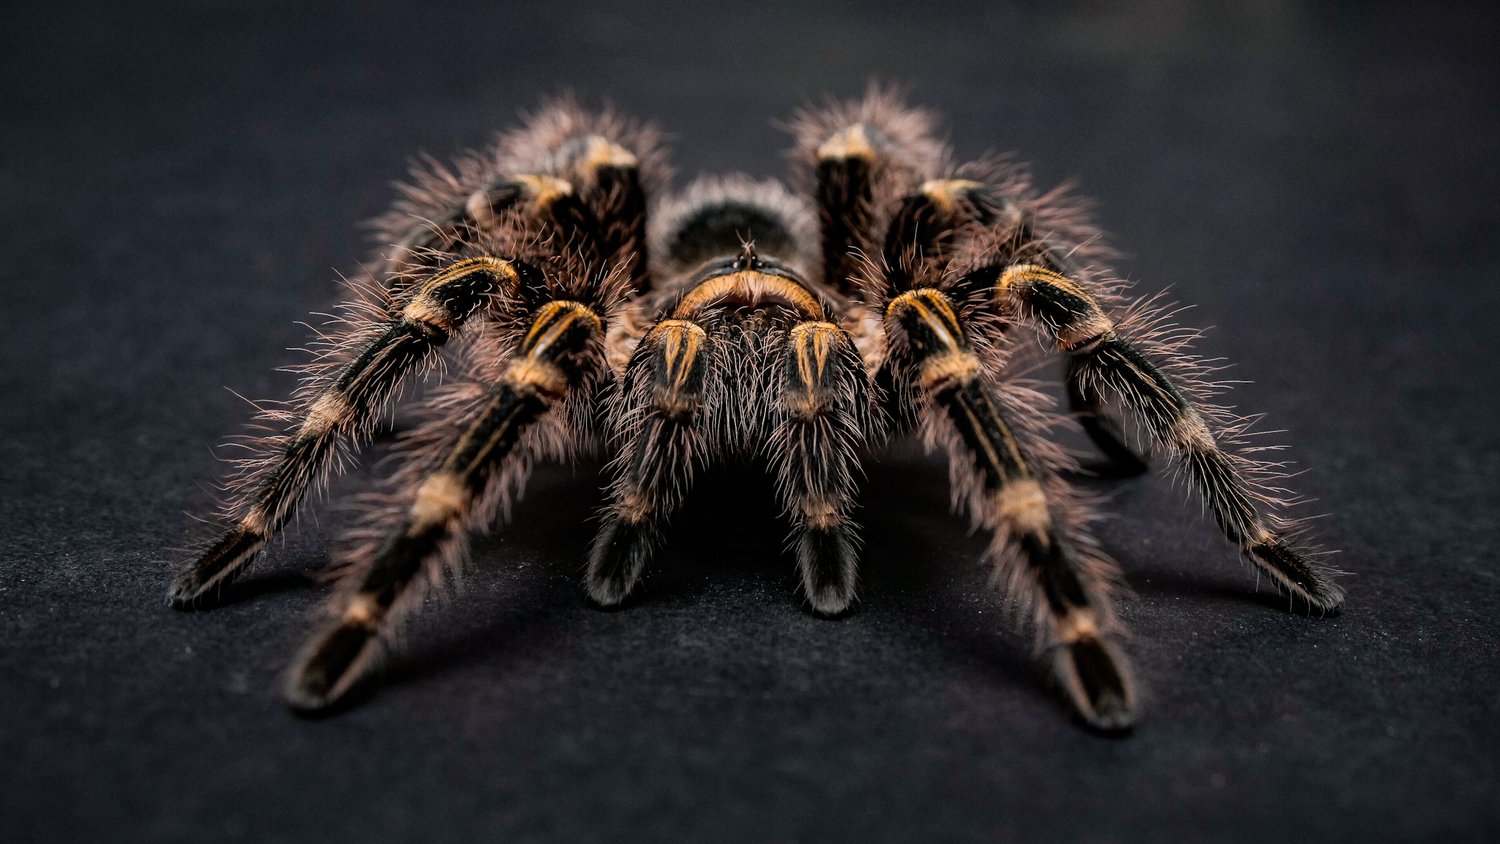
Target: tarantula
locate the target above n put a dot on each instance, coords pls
(808, 328)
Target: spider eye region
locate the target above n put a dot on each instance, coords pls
(731, 284)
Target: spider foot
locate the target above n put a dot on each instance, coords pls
(329, 667)
(828, 561)
(615, 565)
(198, 587)
(1297, 577)
(1097, 678)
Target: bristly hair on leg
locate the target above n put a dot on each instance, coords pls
(858, 159)
(1253, 456)
(463, 467)
(1005, 475)
(363, 358)
(906, 134)
(440, 216)
(610, 161)
(1138, 358)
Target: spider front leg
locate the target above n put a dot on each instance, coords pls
(341, 408)
(821, 431)
(1106, 362)
(1044, 558)
(557, 354)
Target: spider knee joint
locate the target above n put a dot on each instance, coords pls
(635, 507)
(431, 317)
(851, 142)
(1078, 625)
(1022, 505)
(926, 318)
(820, 514)
(1086, 334)
(558, 335)
(944, 194)
(440, 498)
(544, 191)
(537, 377)
(947, 371)
(600, 153)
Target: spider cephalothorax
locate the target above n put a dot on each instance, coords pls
(744, 320)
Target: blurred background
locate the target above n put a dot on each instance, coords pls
(181, 182)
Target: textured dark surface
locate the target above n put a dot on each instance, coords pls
(179, 180)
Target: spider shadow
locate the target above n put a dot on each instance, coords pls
(923, 586)
(1206, 591)
(540, 599)
(919, 554)
(248, 588)
(500, 646)
(269, 583)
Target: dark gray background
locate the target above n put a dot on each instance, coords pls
(180, 181)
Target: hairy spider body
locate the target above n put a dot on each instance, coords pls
(744, 320)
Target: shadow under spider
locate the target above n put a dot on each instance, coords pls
(729, 537)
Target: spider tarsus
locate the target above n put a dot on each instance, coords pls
(186, 593)
(1098, 680)
(1299, 577)
(831, 603)
(829, 564)
(197, 586)
(616, 562)
(329, 668)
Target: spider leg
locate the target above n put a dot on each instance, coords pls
(1044, 557)
(656, 419)
(558, 351)
(862, 155)
(926, 228)
(612, 180)
(1088, 407)
(553, 203)
(581, 173)
(845, 200)
(342, 406)
(815, 451)
(1106, 362)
